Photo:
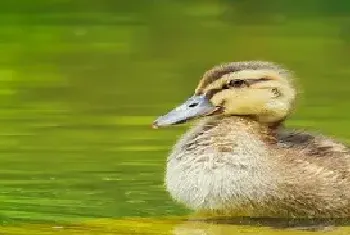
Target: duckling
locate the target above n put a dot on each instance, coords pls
(240, 160)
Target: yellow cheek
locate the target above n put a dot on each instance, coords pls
(243, 101)
(244, 107)
(221, 98)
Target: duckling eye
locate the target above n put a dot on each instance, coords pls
(237, 83)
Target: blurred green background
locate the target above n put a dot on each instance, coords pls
(81, 82)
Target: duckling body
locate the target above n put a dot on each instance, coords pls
(241, 164)
(235, 166)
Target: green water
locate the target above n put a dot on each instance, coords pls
(81, 82)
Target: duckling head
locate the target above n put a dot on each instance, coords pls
(262, 90)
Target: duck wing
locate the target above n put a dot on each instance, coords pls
(317, 150)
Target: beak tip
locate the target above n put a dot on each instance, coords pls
(155, 125)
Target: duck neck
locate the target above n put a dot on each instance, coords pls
(227, 133)
(232, 125)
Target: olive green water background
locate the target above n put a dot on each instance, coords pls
(81, 82)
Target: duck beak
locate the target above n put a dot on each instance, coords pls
(196, 106)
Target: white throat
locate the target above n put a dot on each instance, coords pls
(219, 164)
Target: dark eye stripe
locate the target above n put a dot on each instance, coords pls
(214, 91)
(253, 81)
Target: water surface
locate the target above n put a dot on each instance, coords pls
(80, 84)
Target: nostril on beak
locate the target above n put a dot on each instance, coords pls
(193, 105)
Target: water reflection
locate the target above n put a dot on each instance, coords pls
(186, 226)
(246, 225)
(181, 226)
